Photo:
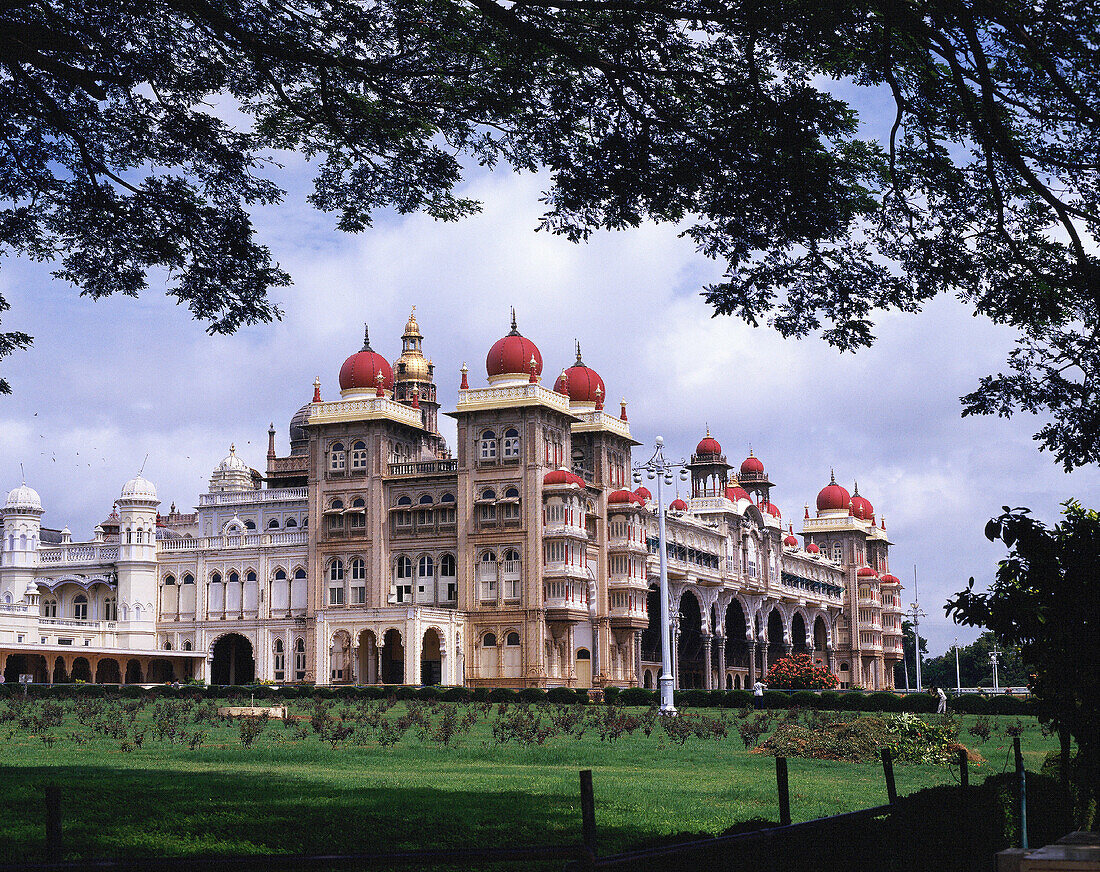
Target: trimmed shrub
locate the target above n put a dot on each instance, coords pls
(532, 694)
(884, 702)
(829, 700)
(776, 699)
(502, 694)
(1008, 705)
(737, 699)
(692, 698)
(636, 696)
(480, 694)
(428, 693)
(611, 694)
(803, 699)
(456, 694)
(919, 702)
(853, 701)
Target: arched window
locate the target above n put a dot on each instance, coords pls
(447, 498)
(447, 572)
(487, 510)
(403, 587)
(250, 575)
(358, 515)
(489, 640)
(290, 522)
(426, 567)
(337, 457)
(110, 608)
(216, 578)
(511, 504)
(168, 579)
(404, 501)
(250, 524)
(80, 607)
(487, 575)
(359, 455)
(336, 582)
(511, 444)
(234, 577)
(425, 500)
(358, 581)
(488, 446)
(187, 645)
(273, 524)
(299, 574)
(510, 567)
(446, 512)
(337, 504)
(280, 575)
(838, 552)
(512, 639)
(280, 661)
(49, 607)
(299, 659)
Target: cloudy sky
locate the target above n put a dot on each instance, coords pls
(107, 383)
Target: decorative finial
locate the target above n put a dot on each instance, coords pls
(564, 382)
(271, 427)
(708, 434)
(22, 474)
(515, 330)
(366, 338)
(534, 366)
(379, 380)
(622, 405)
(579, 361)
(145, 461)
(416, 399)
(832, 476)
(855, 491)
(807, 510)
(232, 448)
(317, 390)
(465, 385)
(750, 451)
(599, 399)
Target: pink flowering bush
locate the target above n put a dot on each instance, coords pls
(799, 672)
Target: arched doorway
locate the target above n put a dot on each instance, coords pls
(821, 640)
(161, 671)
(775, 638)
(393, 658)
(60, 673)
(133, 672)
(82, 670)
(798, 634)
(647, 680)
(651, 635)
(584, 667)
(737, 630)
(340, 658)
(368, 658)
(431, 658)
(107, 672)
(26, 664)
(233, 661)
(689, 651)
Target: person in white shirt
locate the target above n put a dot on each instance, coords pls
(758, 694)
(941, 706)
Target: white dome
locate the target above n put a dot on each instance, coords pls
(24, 498)
(139, 489)
(232, 463)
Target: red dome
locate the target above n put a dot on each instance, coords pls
(790, 541)
(708, 445)
(812, 548)
(833, 497)
(735, 493)
(583, 382)
(362, 368)
(862, 508)
(773, 510)
(678, 505)
(620, 497)
(751, 465)
(561, 476)
(866, 572)
(512, 355)
(644, 493)
(889, 579)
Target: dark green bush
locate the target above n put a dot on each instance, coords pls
(828, 700)
(1008, 705)
(692, 698)
(405, 692)
(429, 693)
(919, 702)
(737, 699)
(803, 699)
(852, 701)
(776, 699)
(457, 694)
(611, 694)
(637, 696)
(532, 694)
(883, 702)
(561, 695)
(480, 694)
(502, 694)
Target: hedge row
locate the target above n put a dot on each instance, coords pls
(633, 696)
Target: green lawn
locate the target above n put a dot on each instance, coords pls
(287, 794)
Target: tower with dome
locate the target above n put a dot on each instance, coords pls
(369, 553)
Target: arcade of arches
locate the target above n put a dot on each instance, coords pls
(93, 668)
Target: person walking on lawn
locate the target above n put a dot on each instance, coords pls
(758, 694)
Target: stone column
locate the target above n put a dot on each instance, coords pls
(752, 662)
(830, 659)
(721, 640)
(763, 659)
(637, 658)
(708, 669)
(786, 648)
(675, 655)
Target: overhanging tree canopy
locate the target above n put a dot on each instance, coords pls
(712, 115)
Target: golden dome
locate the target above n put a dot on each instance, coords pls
(411, 327)
(411, 366)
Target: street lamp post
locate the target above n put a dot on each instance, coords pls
(958, 680)
(916, 614)
(994, 656)
(660, 468)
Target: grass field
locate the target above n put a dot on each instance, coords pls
(292, 792)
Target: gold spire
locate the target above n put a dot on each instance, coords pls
(411, 327)
(412, 365)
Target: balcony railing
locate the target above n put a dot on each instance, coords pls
(219, 543)
(427, 467)
(273, 495)
(79, 554)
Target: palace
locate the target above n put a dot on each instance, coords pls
(372, 554)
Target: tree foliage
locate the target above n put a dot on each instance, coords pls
(135, 136)
(1046, 600)
(975, 668)
(799, 672)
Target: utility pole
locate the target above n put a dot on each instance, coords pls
(916, 614)
(994, 656)
(958, 681)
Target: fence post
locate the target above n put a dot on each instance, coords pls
(1021, 778)
(588, 814)
(53, 823)
(888, 771)
(784, 791)
(964, 769)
